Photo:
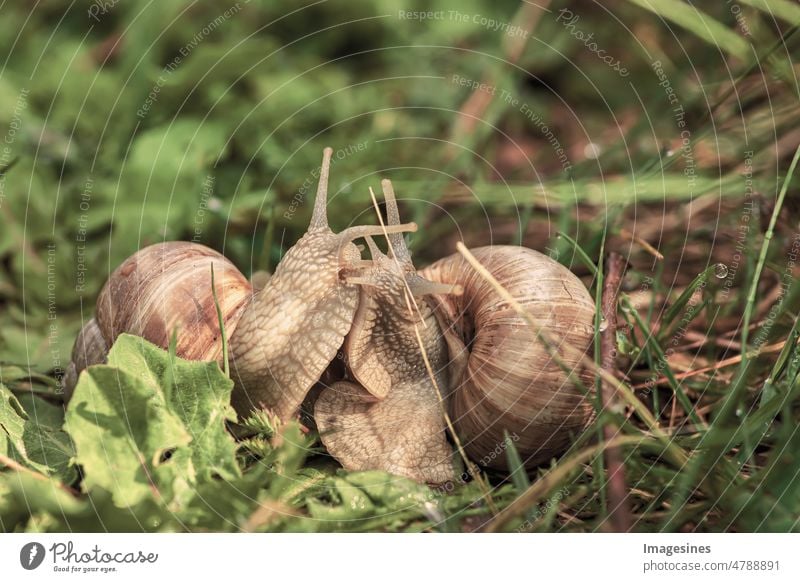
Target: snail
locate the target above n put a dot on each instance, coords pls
(161, 288)
(390, 415)
(421, 348)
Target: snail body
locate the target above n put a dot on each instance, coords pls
(389, 414)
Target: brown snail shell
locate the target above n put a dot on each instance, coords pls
(158, 289)
(166, 287)
(90, 348)
(508, 381)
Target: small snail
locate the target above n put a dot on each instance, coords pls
(416, 344)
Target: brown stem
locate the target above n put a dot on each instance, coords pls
(619, 509)
(44, 394)
(19, 468)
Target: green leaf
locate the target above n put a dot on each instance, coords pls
(291, 447)
(308, 481)
(200, 397)
(39, 505)
(783, 9)
(370, 499)
(136, 444)
(225, 505)
(122, 429)
(31, 438)
(786, 362)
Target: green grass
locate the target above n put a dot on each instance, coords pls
(224, 156)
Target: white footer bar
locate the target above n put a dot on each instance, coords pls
(353, 557)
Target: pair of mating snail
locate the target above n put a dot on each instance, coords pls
(416, 344)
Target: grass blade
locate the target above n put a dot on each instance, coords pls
(699, 23)
(733, 400)
(226, 367)
(783, 9)
(519, 477)
(681, 302)
(587, 262)
(652, 342)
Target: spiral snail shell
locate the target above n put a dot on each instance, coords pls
(510, 382)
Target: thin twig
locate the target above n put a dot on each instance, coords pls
(628, 235)
(619, 508)
(19, 468)
(719, 365)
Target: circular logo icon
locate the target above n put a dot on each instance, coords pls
(31, 555)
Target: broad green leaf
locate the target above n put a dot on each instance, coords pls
(178, 150)
(123, 430)
(27, 339)
(164, 447)
(200, 398)
(42, 412)
(31, 438)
